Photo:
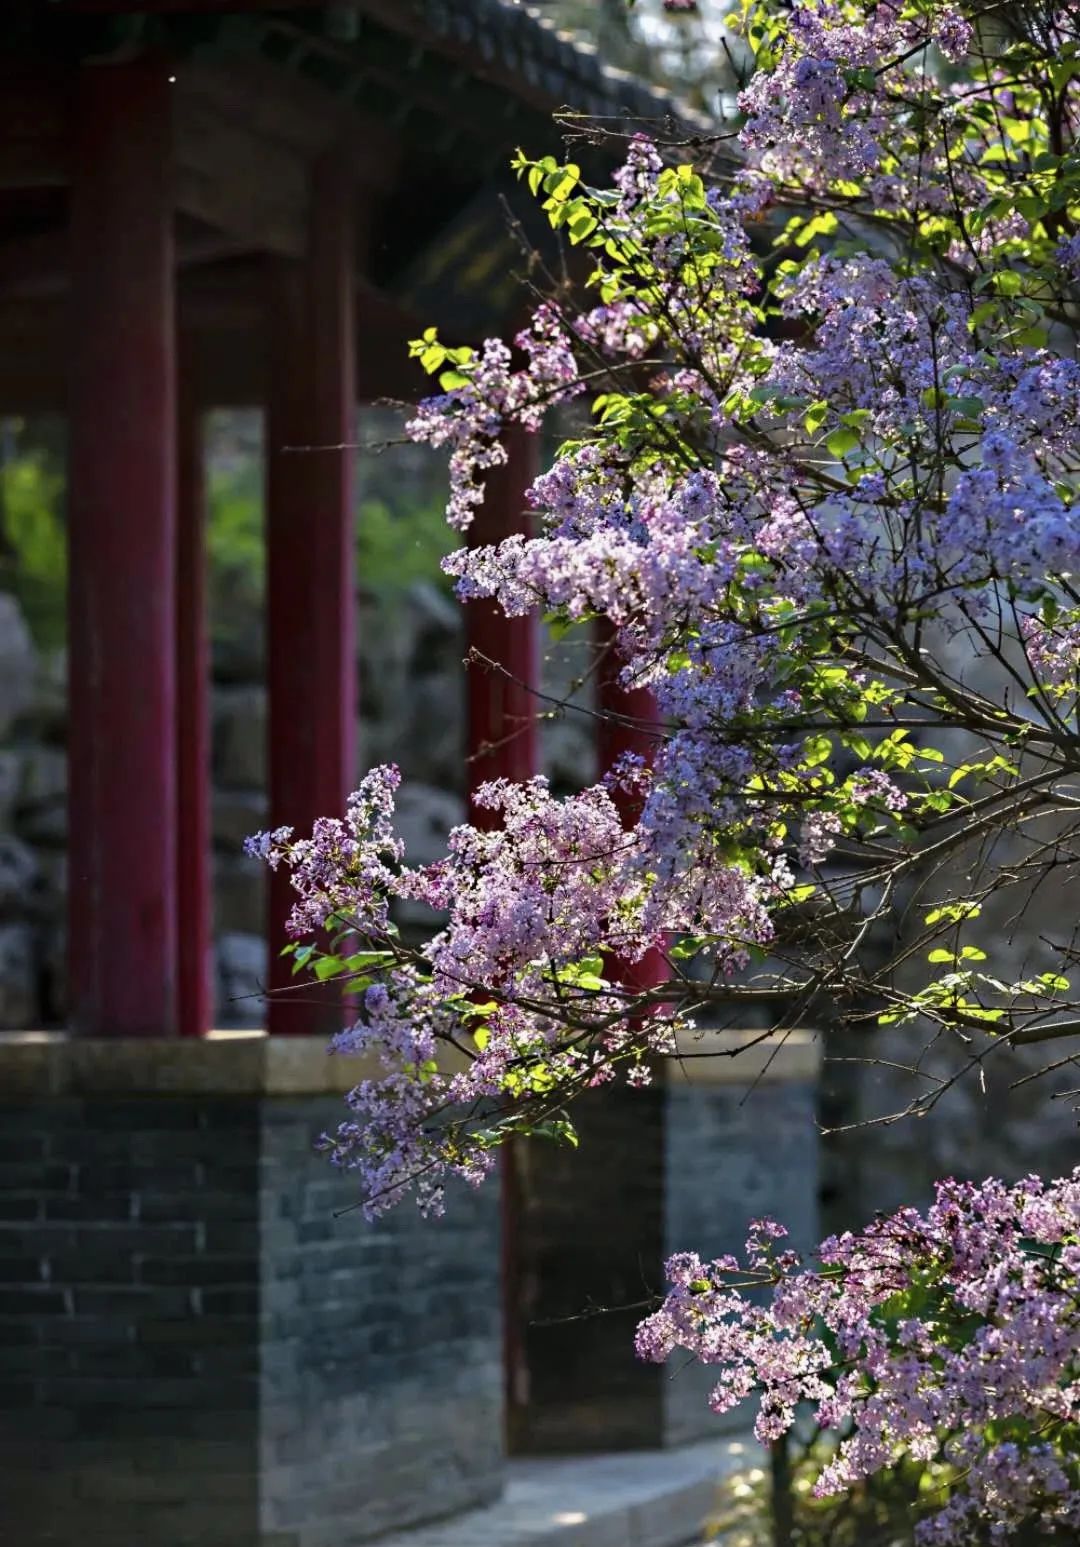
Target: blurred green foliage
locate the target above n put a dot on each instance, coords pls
(401, 530)
(882, 1510)
(33, 543)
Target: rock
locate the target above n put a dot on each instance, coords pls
(10, 780)
(54, 874)
(434, 607)
(240, 895)
(424, 817)
(18, 662)
(47, 712)
(236, 814)
(41, 809)
(568, 750)
(239, 652)
(54, 968)
(242, 971)
(20, 877)
(19, 1006)
(431, 736)
(240, 724)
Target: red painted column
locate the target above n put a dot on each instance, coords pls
(310, 512)
(502, 742)
(122, 477)
(628, 722)
(501, 735)
(193, 883)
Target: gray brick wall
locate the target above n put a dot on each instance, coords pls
(589, 1234)
(680, 1166)
(732, 1155)
(381, 1347)
(194, 1351)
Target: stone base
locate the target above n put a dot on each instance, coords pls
(681, 1166)
(194, 1350)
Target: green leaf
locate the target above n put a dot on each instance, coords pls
(1054, 981)
(840, 442)
(816, 415)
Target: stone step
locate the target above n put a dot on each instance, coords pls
(652, 1498)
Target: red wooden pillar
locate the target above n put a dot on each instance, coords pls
(502, 740)
(193, 884)
(122, 736)
(628, 722)
(310, 511)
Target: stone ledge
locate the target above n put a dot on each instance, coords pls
(651, 1498)
(221, 1064)
(253, 1064)
(732, 1057)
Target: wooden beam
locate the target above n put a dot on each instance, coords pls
(629, 725)
(38, 264)
(279, 107)
(222, 318)
(236, 180)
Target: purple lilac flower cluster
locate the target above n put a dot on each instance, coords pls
(697, 563)
(950, 1335)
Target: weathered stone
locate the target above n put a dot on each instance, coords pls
(19, 1008)
(47, 712)
(239, 652)
(568, 750)
(424, 816)
(236, 814)
(10, 780)
(54, 874)
(432, 737)
(240, 737)
(18, 662)
(41, 807)
(239, 895)
(434, 608)
(21, 880)
(54, 967)
(242, 972)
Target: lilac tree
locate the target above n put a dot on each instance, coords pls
(821, 492)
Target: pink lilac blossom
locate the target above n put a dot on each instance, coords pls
(697, 563)
(1054, 651)
(985, 1397)
(770, 507)
(556, 881)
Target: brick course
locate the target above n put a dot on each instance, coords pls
(683, 1165)
(193, 1350)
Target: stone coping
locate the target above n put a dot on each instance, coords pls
(649, 1498)
(251, 1063)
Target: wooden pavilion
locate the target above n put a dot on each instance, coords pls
(230, 202)
(205, 204)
